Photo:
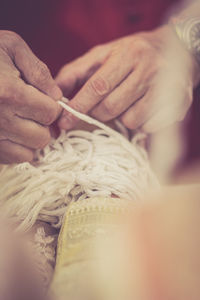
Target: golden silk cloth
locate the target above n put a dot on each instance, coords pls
(87, 224)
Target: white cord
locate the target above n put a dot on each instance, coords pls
(76, 166)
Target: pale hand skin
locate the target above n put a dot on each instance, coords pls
(19, 279)
(119, 80)
(27, 100)
(168, 234)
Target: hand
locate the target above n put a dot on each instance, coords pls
(27, 100)
(121, 79)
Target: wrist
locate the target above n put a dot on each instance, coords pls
(187, 31)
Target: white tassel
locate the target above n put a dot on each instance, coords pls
(76, 166)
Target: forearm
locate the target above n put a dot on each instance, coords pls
(186, 24)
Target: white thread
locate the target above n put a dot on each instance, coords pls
(78, 165)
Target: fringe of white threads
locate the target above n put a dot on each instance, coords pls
(77, 165)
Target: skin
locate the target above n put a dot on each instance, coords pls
(155, 254)
(115, 80)
(118, 80)
(168, 231)
(18, 277)
(28, 97)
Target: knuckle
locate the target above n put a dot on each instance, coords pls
(7, 87)
(110, 108)
(141, 46)
(42, 72)
(141, 43)
(6, 121)
(9, 39)
(43, 69)
(99, 86)
(11, 90)
(96, 49)
(152, 74)
(118, 47)
(12, 95)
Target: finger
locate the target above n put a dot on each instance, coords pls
(7, 66)
(14, 153)
(172, 107)
(76, 73)
(128, 92)
(96, 88)
(28, 102)
(26, 133)
(34, 71)
(158, 121)
(139, 113)
(163, 118)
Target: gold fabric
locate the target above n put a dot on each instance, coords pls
(85, 222)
